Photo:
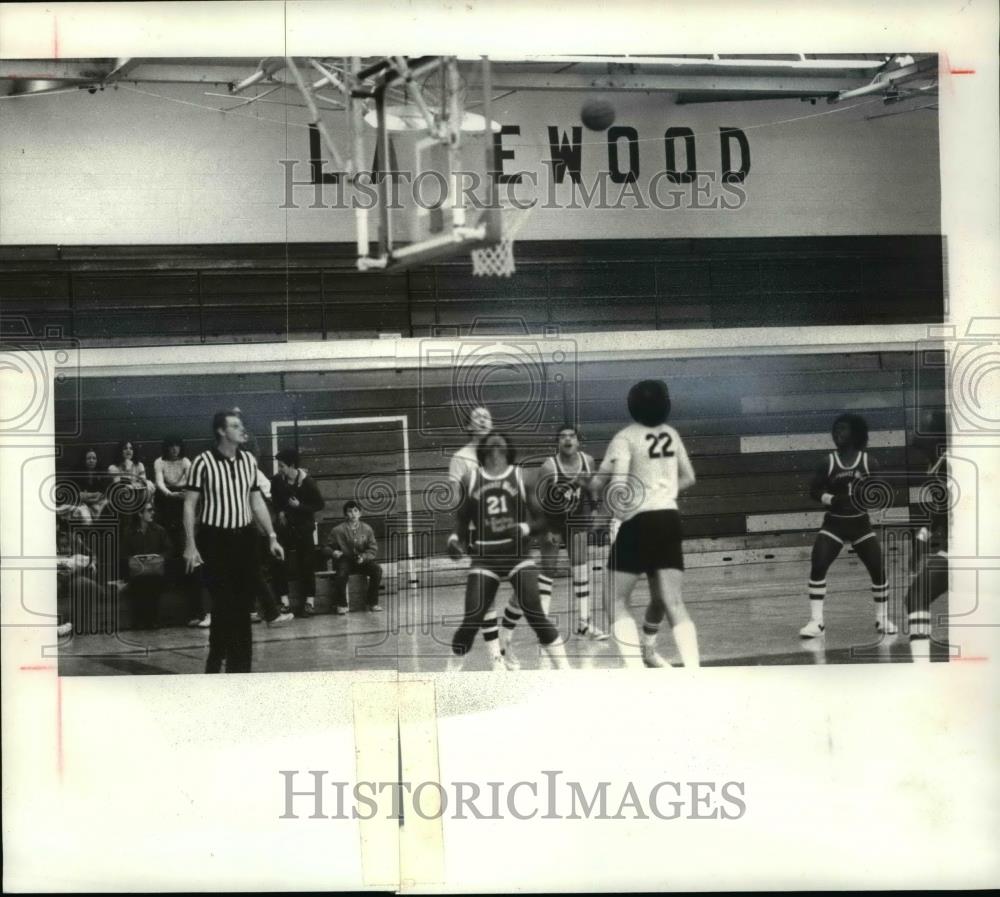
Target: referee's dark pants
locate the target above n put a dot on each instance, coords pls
(229, 573)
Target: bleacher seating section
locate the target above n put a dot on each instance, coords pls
(755, 427)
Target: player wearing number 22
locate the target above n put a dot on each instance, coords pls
(493, 528)
(644, 469)
(838, 484)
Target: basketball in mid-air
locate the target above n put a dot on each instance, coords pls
(597, 115)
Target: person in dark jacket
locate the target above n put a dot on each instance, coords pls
(147, 546)
(297, 501)
(353, 548)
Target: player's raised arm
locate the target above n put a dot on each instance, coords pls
(463, 517)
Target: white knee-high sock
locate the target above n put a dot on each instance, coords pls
(627, 635)
(581, 592)
(880, 595)
(545, 592)
(556, 652)
(817, 595)
(511, 616)
(491, 634)
(686, 637)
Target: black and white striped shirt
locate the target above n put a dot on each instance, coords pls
(225, 485)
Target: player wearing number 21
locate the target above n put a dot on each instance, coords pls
(493, 526)
(644, 469)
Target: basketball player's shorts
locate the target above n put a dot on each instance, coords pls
(650, 541)
(500, 562)
(847, 530)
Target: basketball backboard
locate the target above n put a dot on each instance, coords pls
(414, 141)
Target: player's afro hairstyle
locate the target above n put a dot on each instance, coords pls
(482, 450)
(649, 402)
(859, 429)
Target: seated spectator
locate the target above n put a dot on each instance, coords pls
(353, 548)
(297, 501)
(170, 473)
(92, 486)
(128, 469)
(146, 547)
(268, 568)
(75, 578)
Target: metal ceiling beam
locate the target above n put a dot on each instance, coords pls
(785, 84)
(121, 68)
(693, 81)
(887, 80)
(84, 71)
(717, 61)
(95, 71)
(686, 98)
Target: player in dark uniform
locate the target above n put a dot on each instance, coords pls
(837, 485)
(496, 508)
(562, 493)
(929, 561)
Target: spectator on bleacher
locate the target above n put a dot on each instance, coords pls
(147, 548)
(92, 486)
(170, 473)
(75, 577)
(269, 567)
(353, 548)
(127, 468)
(297, 501)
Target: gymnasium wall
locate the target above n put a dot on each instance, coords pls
(755, 427)
(161, 165)
(163, 294)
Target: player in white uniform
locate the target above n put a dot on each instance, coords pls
(644, 469)
(464, 461)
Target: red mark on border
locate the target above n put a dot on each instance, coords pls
(59, 741)
(961, 71)
(968, 659)
(55, 38)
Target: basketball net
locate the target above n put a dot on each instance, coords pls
(497, 259)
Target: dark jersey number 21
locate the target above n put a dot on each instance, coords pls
(659, 445)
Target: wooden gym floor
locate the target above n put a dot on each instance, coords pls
(746, 615)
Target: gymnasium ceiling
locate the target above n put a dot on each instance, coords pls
(688, 78)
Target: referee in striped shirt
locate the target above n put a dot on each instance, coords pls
(222, 502)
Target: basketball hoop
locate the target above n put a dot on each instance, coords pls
(497, 259)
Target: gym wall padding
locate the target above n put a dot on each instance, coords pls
(192, 294)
